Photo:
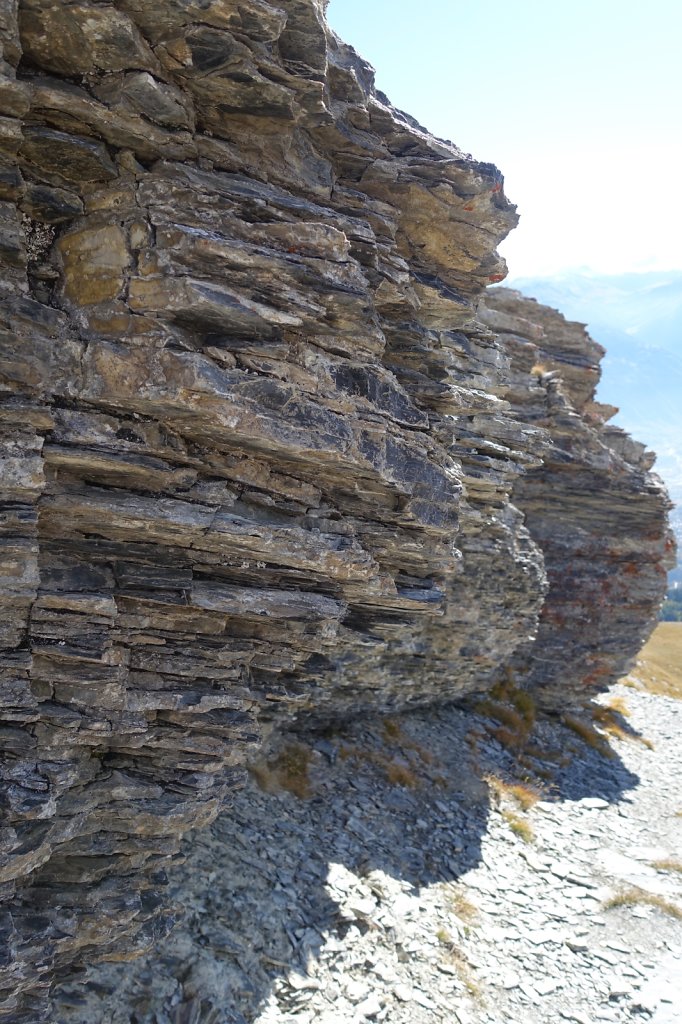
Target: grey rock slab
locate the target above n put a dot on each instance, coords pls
(562, 868)
(369, 1007)
(404, 993)
(605, 955)
(410, 953)
(545, 987)
(542, 936)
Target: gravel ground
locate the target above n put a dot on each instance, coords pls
(401, 886)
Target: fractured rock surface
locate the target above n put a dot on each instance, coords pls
(262, 462)
(598, 514)
(424, 905)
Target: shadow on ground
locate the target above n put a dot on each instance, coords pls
(262, 890)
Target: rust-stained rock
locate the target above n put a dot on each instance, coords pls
(263, 462)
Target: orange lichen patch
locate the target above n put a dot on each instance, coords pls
(598, 674)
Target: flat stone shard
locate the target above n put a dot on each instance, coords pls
(263, 459)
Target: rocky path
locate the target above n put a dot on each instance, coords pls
(404, 887)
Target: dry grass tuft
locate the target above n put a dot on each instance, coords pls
(544, 753)
(466, 974)
(400, 775)
(668, 864)
(520, 793)
(474, 737)
(519, 826)
(611, 719)
(525, 705)
(639, 897)
(513, 711)
(525, 795)
(505, 715)
(619, 705)
(393, 733)
(458, 959)
(588, 734)
(288, 770)
(460, 904)
(402, 760)
(607, 718)
(507, 738)
(659, 666)
(391, 728)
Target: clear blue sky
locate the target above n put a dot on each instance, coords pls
(578, 102)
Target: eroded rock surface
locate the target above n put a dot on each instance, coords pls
(594, 508)
(262, 462)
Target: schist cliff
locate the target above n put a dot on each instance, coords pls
(270, 457)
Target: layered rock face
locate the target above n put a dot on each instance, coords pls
(263, 464)
(594, 508)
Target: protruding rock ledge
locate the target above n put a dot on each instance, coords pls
(593, 507)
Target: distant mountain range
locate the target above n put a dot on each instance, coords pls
(638, 319)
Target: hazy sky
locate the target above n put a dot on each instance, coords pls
(578, 102)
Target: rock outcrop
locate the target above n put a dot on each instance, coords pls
(593, 507)
(262, 462)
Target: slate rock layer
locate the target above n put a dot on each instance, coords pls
(593, 507)
(262, 464)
